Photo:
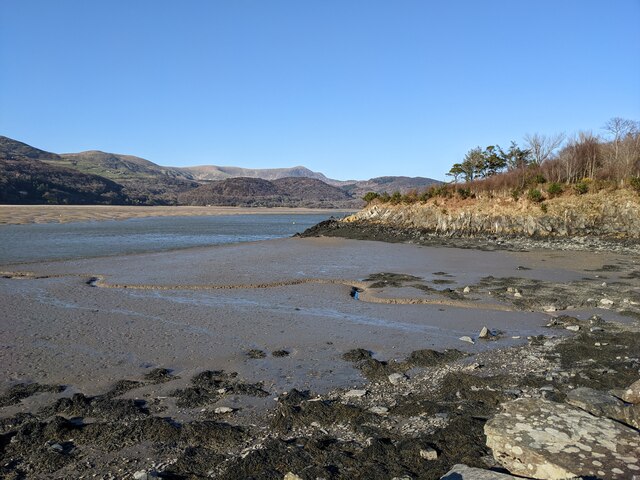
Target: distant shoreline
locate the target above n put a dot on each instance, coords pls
(29, 214)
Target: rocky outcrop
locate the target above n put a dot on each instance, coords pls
(547, 440)
(606, 214)
(603, 404)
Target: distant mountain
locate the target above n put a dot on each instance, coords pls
(358, 188)
(27, 181)
(31, 175)
(13, 149)
(212, 172)
(290, 191)
(144, 182)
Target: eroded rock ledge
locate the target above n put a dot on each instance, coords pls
(602, 221)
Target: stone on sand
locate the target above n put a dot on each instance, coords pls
(467, 339)
(546, 440)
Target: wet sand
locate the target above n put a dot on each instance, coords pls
(25, 214)
(89, 324)
(203, 308)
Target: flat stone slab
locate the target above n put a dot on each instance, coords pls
(546, 440)
(463, 472)
(603, 404)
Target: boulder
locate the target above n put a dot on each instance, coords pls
(632, 393)
(546, 440)
(603, 404)
(463, 472)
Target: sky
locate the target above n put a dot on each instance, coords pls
(351, 88)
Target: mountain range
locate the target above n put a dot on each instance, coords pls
(29, 175)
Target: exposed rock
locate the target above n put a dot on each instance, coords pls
(603, 404)
(632, 394)
(546, 440)
(463, 472)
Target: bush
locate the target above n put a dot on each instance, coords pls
(544, 208)
(370, 197)
(516, 193)
(534, 195)
(384, 197)
(554, 188)
(396, 197)
(464, 193)
(581, 187)
(537, 179)
(635, 184)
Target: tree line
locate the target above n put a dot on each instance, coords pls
(577, 163)
(615, 156)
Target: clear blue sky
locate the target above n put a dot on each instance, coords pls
(352, 88)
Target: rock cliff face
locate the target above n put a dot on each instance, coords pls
(604, 214)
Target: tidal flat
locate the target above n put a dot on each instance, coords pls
(254, 360)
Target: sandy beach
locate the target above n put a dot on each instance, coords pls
(25, 214)
(279, 314)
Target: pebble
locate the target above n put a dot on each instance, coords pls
(223, 410)
(292, 476)
(484, 333)
(549, 308)
(467, 339)
(428, 454)
(573, 328)
(144, 475)
(396, 378)
(355, 393)
(379, 410)
(56, 447)
(606, 302)
(466, 290)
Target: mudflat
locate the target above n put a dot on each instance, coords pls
(24, 214)
(209, 361)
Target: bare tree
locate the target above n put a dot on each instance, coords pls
(542, 147)
(619, 128)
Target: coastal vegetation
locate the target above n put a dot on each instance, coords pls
(545, 167)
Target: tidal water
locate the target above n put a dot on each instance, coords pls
(53, 241)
